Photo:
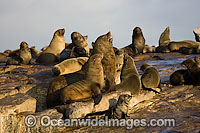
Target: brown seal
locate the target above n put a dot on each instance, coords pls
(130, 79)
(150, 77)
(193, 69)
(56, 46)
(165, 37)
(103, 44)
(89, 87)
(149, 49)
(175, 46)
(138, 43)
(69, 66)
(24, 56)
(180, 77)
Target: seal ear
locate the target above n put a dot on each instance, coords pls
(111, 40)
(81, 61)
(86, 37)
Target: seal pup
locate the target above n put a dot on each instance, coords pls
(56, 46)
(150, 77)
(103, 44)
(24, 56)
(130, 79)
(180, 77)
(121, 109)
(90, 87)
(193, 69)
(69, 66)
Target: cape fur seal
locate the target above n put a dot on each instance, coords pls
(175, 46)
(193, 69)
(150, 77)
(121, 109)
(130, 79)
(24, 56)
(56, 46)
(34, 52)
(164, 39)
(81, 42)
(138, 43)
(90, 87)
(69, 66)
(149, 49)
(103, 44)
(180, 77)
(196, 32)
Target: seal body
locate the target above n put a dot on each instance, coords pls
(56, 46)
(121, 109)
(180, 77)
(130, 79)
(103, 45)
(138, 43)
(69, 66)
(149, 49)
(196, 32)
(175, 46)
(164, 39)
(90, 86)
(24, 56)
(193, 69)
(150, 77)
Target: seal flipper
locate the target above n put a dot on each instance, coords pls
(97, 99)
(150, 89)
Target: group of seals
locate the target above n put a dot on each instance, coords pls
(56, 46)
(24, 56)
(138, 43)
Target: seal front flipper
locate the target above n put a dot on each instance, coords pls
(97, 99)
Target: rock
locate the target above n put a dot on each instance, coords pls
(142, 57)
(109, 100)
(17, 103)
(196, 32)
(7, 92)
(165, 37)
(17, 123)
(81, 109)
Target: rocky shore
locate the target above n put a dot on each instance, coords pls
(23, 90)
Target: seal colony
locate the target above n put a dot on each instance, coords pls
(83, 73)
